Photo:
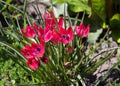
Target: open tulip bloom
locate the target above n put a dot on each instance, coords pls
(55, 49)
(52, 50)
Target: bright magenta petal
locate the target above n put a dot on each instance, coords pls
(82, 31)
(27, 52)
(87, 30)
(33, 64)
(28, 32)
(70, 34)
(66, 35)
(37, 49)
(48, 36)
(56, 37)
(60, 23)
(82, 25)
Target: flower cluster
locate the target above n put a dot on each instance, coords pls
(53, 32)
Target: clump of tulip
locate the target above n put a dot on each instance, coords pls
(54, 33)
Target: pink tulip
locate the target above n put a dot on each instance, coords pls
(66, 64)
(37, 49)
(28, 32)
(66, 36)
(33, 63)
(52, 21)
(27, 52)
(69, 49)
(56, 37)
(82, 31)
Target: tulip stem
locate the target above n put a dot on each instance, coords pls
(76, 19)
(83, 17)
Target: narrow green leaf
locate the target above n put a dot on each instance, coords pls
(25, 13)
(2, 1)
(12, 48)
(93, 68)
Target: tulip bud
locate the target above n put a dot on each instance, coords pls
(70, 49)
(66, 64)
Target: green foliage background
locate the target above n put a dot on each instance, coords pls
(10, 71)
(101, 12)
(96, 10)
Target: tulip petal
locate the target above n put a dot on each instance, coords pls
(33, 64)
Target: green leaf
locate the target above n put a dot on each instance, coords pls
(118, 40)
(5, 6)
(92, 69)
(98, 7)
(57, 1)
(115, 20)
(12, 48)
(9, 1)
(13, 6)
(16, 16)
(60, 1)
(79, 6)
(115, 26)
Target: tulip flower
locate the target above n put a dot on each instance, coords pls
(45, 60)
(69, 49)
(44, 34)
(48, 34)
(66, 64)
(39, 30)
(56, 37)
(82, 31)
(27, 52)
(37, 50)
(28, 32)
(66, 36)
(60, 22)
(33, 63)
(52, 21)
